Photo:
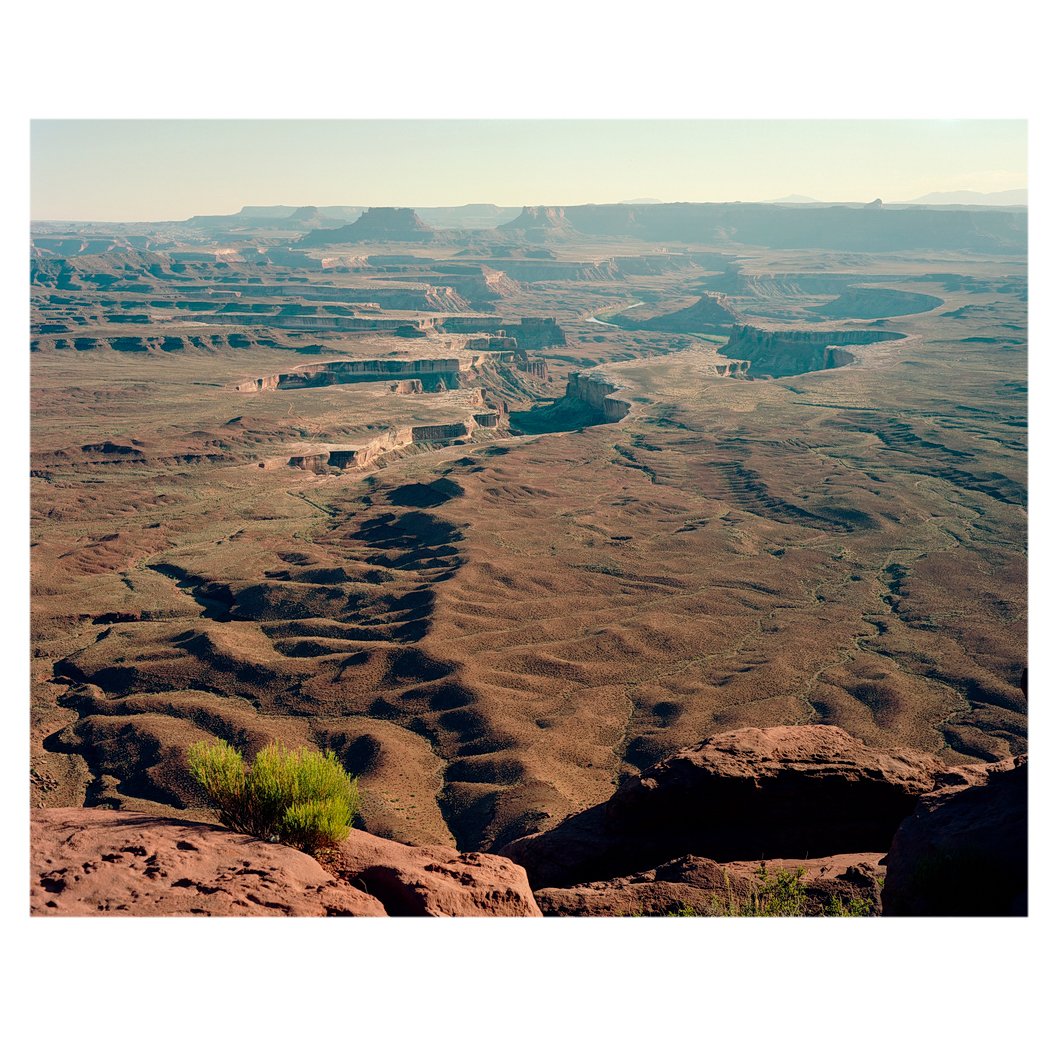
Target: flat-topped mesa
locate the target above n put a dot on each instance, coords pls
(539, 222)
(782, 353)
(378, 224)
(595, 391)
(536, 333)
(429, 372)
(394, 442)
(530, 333)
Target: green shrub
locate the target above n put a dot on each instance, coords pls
(855, 906)
(780, 895)
(300, 797)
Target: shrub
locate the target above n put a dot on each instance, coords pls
(855, 906)
(780, 895)
(300, 797)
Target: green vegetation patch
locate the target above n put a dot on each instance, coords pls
(299, 797)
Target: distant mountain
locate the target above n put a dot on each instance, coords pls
(473, 215)
(793, 198)
(858, 227)
(640, 202)
(291, 218)
(378, 224)
(538, 222)
(1016, 197)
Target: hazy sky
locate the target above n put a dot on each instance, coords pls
(167, 170)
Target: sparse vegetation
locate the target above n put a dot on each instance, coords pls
(299, 797)
(783, 894)
(856, 906)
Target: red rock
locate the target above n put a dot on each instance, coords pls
(708, 888)
(964, 851)
(435, 880)
(95, 862)
(798, 792)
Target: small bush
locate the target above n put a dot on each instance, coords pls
(855, 906)
(302, 798)
(780, 895)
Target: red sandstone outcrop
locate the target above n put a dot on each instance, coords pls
(964, 851)
(435, 880)
(96, 862)
(786, 792)
(708, 888)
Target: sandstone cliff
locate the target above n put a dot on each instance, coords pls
(96, 862)
(705, 825)
(783, 353)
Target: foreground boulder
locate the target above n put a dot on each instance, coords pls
(701, 887)
(96, 862)
(434, 880)
(964, 851)
(795, 792)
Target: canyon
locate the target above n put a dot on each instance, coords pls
(524, 518)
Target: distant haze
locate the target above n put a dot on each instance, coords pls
(1016, 197)
(170, 170)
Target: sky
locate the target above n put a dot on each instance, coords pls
(151, 170)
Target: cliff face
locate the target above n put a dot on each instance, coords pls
(535, 333)
(827, 227)
(539, 222)
(783, 353)
(379, 224)
(428, 372)
(395, 441)
(596, 392)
